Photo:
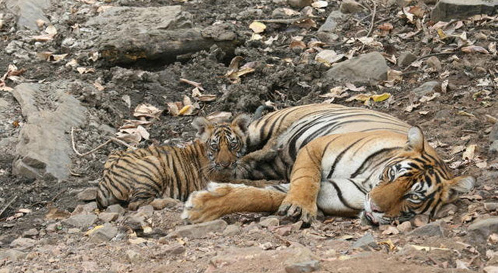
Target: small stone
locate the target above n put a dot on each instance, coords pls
(199, 230)
(175, 249)
(87, 194)
(446, 10)
(87, 208)
(108, 216)
(434, 63)
(406, 58)
(299, 3)
(116, 208)
(145, 210)
(104, 234)
(426, 89)
(350, 6)
(491, 206)
(405, 227)
(133, 256)
(232, 230)
(30, 233)
(493, 147)
(82, 221)
(364, 68)
(23, 243)
(437, 228)
(269, 222)
(135, 222)
(365, 241)
(309, 266)
(333, 21)
(73, 230)
(447, 210)
(53, 227)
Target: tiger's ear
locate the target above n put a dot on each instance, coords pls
(204, 128)
(459, 184)
(416, 139)
(241, 122)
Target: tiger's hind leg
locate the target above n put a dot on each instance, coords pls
(222, 199)
(140, 198)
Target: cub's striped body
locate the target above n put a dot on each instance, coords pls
(341, 163)
(138, 177)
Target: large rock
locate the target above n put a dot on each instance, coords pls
(44, 146)
(481, 229)
(447, 10)
(82, 221)
(129, 34)
(367, 67)
(438, 229)
(199, 230)
(28, 12)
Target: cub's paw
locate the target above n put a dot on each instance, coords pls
(206, 205)
(296, 210)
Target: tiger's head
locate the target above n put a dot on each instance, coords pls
(225, 145)
(416, 181)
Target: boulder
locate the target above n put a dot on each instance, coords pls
(44, 147)
(438, 229)
(481, 229)
(199, 230)
(28, 12)
(367, 67)
(447, 10)
(125, 35)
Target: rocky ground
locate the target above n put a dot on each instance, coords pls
(137, 72)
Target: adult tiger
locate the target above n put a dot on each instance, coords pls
(384, 175)
(137, 177)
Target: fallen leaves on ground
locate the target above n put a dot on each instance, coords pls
(234, 72)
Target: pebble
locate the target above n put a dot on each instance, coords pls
(434, 63)
(108, 216)
(491, 206)
(175, 249)
(116, 208)
(350, 6)
(269, 222)
(12, 254)
(73, 230)
(23, 243)
(159, 204)
(481, 229)
(87, 194)
(405, 227)
(438, 229)
(132, 256)
(299, 3)
(104, 234)
(309, 266)
(30, 233)
(232, 230)
(365, 241)
(82, 221)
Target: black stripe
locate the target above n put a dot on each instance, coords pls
(339, 194)
(370, 157)
(339, 157)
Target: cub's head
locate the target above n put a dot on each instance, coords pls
(225, 144)
(415, 181)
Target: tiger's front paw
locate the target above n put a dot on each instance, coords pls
(205, 205)
(304, 211)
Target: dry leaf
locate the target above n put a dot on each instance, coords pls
(382, 97)
(173, 108)
(57, 214)
(428, 248)
(391, 231)
(147, 110)
(257, 27)
(388, 243)
(143, 132)
(463, 113)
(130, 136)
(88, 233)
(386, 27)
(128, 123)
(474, 49)
(84, 70)
(297, 44)
(469, 152)
(410, 107)
(305, 23)
(219, 116)
(187, 110)
(73, 63)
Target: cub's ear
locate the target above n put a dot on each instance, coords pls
(204, 128)
(416, 139)
(459, 184)
(241, 122)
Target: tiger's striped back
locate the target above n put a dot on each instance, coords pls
(288, 130)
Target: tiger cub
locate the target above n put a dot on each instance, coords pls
(137, 177)
(382, 175)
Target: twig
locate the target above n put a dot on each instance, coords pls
(195, 84)
(98, 147)
(89, 152)
(373, 18)
(57, 195)
(8, 204)
(123, 143)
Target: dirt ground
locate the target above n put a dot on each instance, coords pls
(463, 115)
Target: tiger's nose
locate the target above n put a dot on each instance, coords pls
(224, 164)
